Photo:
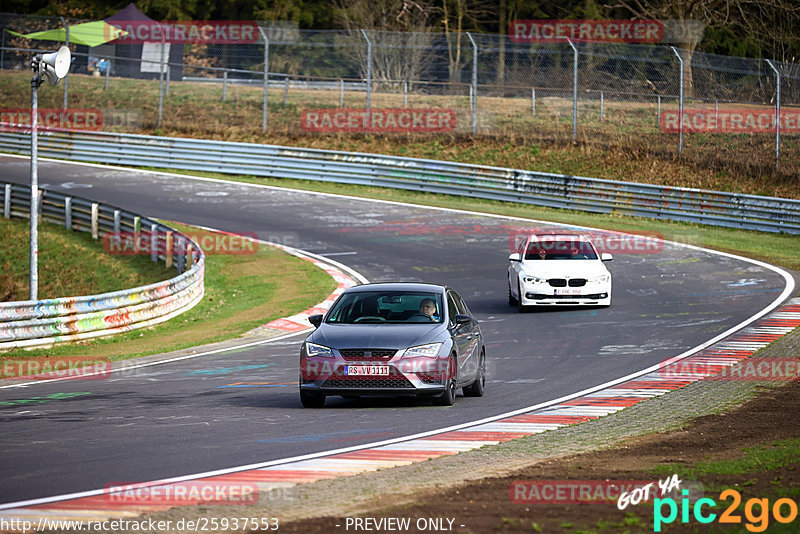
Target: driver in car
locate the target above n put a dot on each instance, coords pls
(428, 307)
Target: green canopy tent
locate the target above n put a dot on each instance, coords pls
(88, 33)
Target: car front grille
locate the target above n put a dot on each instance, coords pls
(395, 380)
(563, 282)
(367, 354)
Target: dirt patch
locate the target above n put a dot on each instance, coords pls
(486, 506)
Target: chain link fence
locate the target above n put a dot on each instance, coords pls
(655, 100)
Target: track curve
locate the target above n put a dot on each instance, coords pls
(175, 419)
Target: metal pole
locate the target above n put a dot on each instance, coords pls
(108, 70)
(658, 112)
(3, 50)
(369, 78)
(777, 114)
(680, 102)
(224, 85)
(716, 114)
(66, 43)
(161, 81)
(341, 93)
(266, 79)
(601, 105)
(285, 90)
(574, 91)
(474, 84)
(533, 101)
(405, 94)
(34, 206)
(168, 76)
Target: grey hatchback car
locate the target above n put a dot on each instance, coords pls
(396, 339)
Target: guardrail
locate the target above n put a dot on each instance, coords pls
(45, 322)
(716, 208)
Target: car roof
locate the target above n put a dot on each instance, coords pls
(398, 286)
(560, 237)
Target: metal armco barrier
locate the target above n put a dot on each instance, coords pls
(715, 208)
(45, 322)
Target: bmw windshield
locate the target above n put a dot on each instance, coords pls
(393, 307)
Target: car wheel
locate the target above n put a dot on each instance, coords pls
(448, 398)
(522, 308)
(311, 400)
(511, 300)
(477, 388)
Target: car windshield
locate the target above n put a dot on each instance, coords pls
(394, 307)
(560, 250)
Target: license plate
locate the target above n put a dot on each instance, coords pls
(566, 292)
(366, 370)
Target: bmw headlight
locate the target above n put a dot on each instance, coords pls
(313, 350)
(600, 279)
(532, 279)
(431, 350)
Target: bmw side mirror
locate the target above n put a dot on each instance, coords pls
(316, 320)
(605, 256)
(515, 257)
(463, 319)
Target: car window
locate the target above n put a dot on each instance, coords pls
(452, 308)
(462, 306)
(560, 250)
(391, 307)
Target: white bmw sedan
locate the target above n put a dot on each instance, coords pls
(562, 269)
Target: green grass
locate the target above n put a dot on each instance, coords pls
(241, 292)
(70, 263)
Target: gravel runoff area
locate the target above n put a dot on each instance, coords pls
(321, 505)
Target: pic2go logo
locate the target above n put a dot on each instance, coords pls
(783, 510)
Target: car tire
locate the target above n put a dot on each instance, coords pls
(511, 300)
(522, 308)
(311, 400)
(448, 397)
(477, 388)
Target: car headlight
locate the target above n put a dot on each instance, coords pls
(431, 350)
(600, 279)
(313, 350)
(532, 279)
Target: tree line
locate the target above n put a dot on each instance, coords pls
(748, 28)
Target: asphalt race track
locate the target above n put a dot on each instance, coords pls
(187, 417)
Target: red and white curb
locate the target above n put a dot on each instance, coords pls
(704, 363)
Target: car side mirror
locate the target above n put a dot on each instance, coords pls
(316, 320)
(605, 256)
(463, 319)
(515, 257)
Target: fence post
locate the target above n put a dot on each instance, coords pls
(716, 114)
(285, 90)
(405, 94)
(341, 93)
(116, 222)
(266, 79)
(180, 254)
(533, 101)
(68, 213)
(66, 43)
(137, 232)
(153, 242)
(601, 105)
(95, 215)
(574, 91)
(474, 84)
(224, 85)
(658, 111)
(108, 70)
(161, 81)
(680, 101)
(168, 249)
(369, 77)
(777, 114)
(7, 201)
(168, 76)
